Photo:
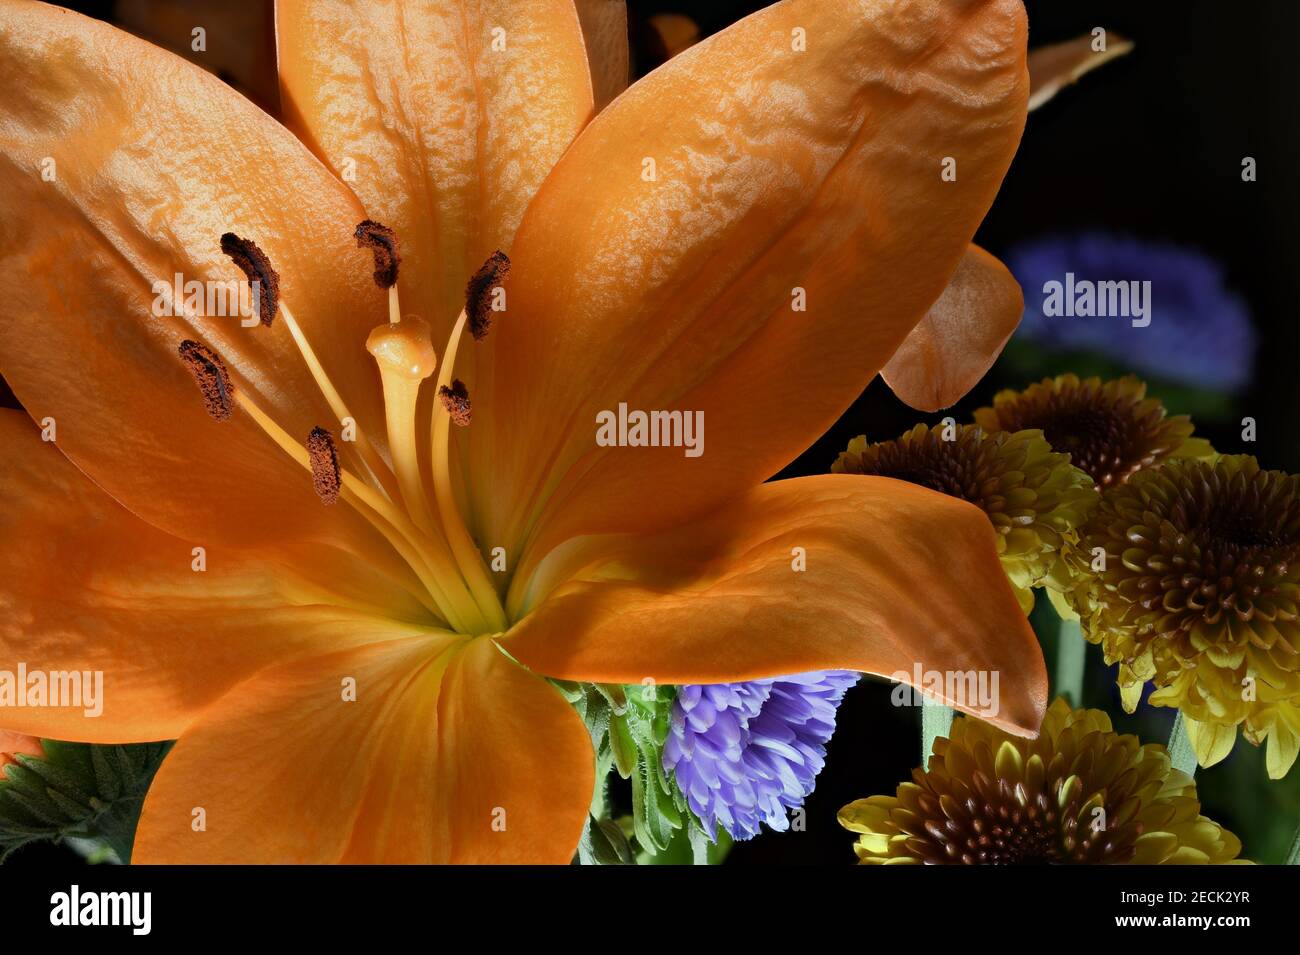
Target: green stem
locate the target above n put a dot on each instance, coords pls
(936, 721)
(1293, 857)
(1071, 656)
(1181, 753)
(600, 796)
(699, 846)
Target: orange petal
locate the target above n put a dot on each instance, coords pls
(895, 576)
(780, 179)
(1056, 66)
(444, 116)
(960, 337)
(604, 28)
(239, 44)
(123, 165)
(447, 754)
(87, 586)
(17, 744)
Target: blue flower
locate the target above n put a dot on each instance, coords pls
(1200, 332)
(745, 753)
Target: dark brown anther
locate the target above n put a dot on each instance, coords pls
(256, 267)
(478, 293)
(382, 242)
(456, 400)
(326, 477)
(210, 375)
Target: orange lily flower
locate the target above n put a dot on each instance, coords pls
(365, 681)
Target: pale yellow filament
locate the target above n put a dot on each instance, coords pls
(394, 306)
(456, 606)
(462, 545)
(370, 459)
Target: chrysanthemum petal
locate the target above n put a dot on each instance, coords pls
(960, 337)
(721, 599)
(448, 753)
(1078, 794)
(1212, 742)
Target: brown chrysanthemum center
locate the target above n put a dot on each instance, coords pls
(1110, 429)
(1079, 794)
(1002, 822)
(1189, 545)
(958, 467)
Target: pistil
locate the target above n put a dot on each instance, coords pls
(405, 358)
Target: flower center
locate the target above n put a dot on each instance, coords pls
(956, 468)
(1243, 516)
(411, 501)
(1111, 430)
(1093, 438)
(1002, 824)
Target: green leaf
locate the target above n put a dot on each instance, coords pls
(603, 843)
(77, 791)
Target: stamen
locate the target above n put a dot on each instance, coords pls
(210, 374)
(324, 465)
(464, 550)
(431, 564)
(256, 267)
(370, 460)
(479, 290)
(456, 400)
(394, 307)
(382, 242)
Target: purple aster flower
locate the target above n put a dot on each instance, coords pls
(745, 753)
(1200, 332)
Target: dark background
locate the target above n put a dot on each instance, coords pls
(1150, 145)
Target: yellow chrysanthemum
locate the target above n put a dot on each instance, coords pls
(1110, 429)
(1079, 794)
(1033, 496)
(1190, 576)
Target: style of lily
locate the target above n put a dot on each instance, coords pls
(344, 596)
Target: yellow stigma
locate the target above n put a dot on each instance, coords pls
(404, 349)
